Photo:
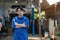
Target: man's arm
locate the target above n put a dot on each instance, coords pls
(25, 24)
(13, 23)
(0, 25)
(20, 25)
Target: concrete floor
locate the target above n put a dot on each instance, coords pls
(7, 38)
(30, 38)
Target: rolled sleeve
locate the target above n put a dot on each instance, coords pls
(27, 22)
(13, 24)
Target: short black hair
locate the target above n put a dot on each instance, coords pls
(19, 8)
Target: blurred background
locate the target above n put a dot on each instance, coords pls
(46, 15)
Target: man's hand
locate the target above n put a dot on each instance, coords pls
(24, 23)
(17, 25)
(20, 25)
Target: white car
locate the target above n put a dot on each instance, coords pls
(12, 9)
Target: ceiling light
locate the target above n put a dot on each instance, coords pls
(16, 1)
(51, 2)
(40, 1)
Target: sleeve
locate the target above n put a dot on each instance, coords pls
(27, 22)
(12, 23)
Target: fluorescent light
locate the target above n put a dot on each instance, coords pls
(33, 6)
(16, 1)
(52, 1)
(40, 1)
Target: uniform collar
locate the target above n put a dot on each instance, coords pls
(20, 17)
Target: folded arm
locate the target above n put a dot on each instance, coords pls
(20, 25)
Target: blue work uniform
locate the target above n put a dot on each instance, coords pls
(20, 33)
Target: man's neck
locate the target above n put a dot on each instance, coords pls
(20, 16)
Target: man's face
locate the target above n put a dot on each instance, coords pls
(20, 12)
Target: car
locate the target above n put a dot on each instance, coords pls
(13, 8)
(12, 11)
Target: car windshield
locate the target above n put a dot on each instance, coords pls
(15, 6)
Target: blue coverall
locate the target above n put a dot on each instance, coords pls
(20, 33)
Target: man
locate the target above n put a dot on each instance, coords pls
(0, 27)
(20, 24)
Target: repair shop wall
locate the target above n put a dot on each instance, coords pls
(6, 9)
(7, 4)
(0, 9)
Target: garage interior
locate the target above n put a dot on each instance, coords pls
(51, 11)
